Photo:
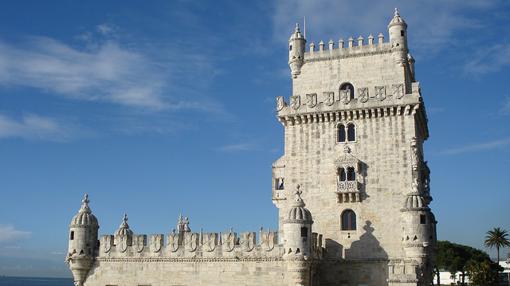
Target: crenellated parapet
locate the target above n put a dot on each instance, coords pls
(352, 47)
(203, 245)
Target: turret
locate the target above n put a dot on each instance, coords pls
(124, 235)
(297, 242)
(398, 31)
(297, 44)
(83, 243)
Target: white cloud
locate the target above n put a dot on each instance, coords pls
(8, 233)
(238, 147)
(432, 24)
(109, 73)
(490, 145)
(488, 59)
(34, 127)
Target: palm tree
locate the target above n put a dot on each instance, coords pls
(497, 238)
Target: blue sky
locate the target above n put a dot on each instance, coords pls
(163, 107)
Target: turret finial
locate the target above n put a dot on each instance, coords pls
(296, 29)
(298, 201)
(396, 14)
(85, 204)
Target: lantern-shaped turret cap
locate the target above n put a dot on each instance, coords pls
(298, 212)
(397, 20)
(297, 33)
(84, 217)
(124, 227)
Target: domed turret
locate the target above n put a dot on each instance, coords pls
(297, 44)
(398, 31)
(298, 228)
(82, 242)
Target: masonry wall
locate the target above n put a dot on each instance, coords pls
(136, 272)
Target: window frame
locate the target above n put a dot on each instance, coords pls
(351, 220)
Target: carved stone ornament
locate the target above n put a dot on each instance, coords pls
(191, 240)
(380, 92)
(210, 240)
(248, 241)
(398, 90)
(156, 242)
(295, 101)
(123, 243)
(363, 94)
(311, 100)
(107, 242)
(329, 98)
(280, 103)
(139, 243)
(268, 240)
(229, 241)
(345, 96)
(173, 241)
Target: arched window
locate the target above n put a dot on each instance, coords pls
(351, 132)
(347, 86)
(341, 133)
(351, 174)
(348, 220)
(341, 174)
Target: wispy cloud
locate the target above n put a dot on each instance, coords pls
(240, 147)
(488, 59)
(505, 109)
(33, 127)
(433, 27)
(490, 145)
(9, 233)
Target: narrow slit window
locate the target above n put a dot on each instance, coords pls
(304, 231)
(71, 236)
(423, 219)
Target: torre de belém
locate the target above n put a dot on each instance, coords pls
(354, 131)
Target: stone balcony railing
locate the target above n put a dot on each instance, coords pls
(348, 192)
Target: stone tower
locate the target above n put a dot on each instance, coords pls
(83, 243)
(354, 131)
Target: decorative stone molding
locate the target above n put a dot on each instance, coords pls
(295, 102)
(311, 100)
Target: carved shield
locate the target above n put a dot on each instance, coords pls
(209, 241)
(329, 98)
(107, 242)
(156, 242)
(380, 92)
(191, 240)
(229, 241)
(363, 94)
(398, 91)
(173, 241)
(139, 242)
(311, 100)
(123, 243)
(280, 103)
(345, 96)
(295, 101)
(248, 241)
(268, 240)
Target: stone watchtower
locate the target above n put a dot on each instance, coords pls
(354, 131)
(83, 243)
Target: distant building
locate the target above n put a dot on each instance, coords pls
(446, 278)
(354, 132)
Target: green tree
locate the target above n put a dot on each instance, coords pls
(497, 238)
(454, 257)
(483, 273)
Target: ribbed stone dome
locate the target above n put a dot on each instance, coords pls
(84, 217)
(124, 229)
(298, 211)
(415, 201)
(397, 20)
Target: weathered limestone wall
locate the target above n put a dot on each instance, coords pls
(137, 272)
